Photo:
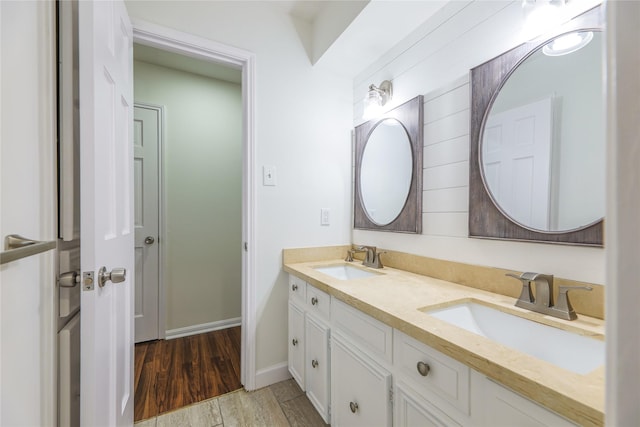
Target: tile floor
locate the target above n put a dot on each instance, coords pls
(281, 404)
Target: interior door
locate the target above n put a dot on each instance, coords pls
(146, 142)
(106, 206)
(517, 161)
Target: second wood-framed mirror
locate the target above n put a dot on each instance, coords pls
(537, 158)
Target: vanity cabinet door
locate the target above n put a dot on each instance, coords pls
(317, 365)
(296, 343)
(502, 407)
(361, 393)
(411, 410)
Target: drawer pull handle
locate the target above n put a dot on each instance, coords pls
(314, 363)
(423, 369)
(314, 301)
(294, 287)
(353, 406)
(294, 342)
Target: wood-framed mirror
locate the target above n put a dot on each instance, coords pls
(388, 170)
(537, 155)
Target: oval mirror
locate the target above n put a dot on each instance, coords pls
(386, 171)
(387, 190)
(542, 154)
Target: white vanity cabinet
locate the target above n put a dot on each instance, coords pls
(496, 405)
(359, 371)
(309, 334)
(361, 394)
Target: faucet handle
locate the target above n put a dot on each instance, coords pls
(564, 304)
(525, 295)
(349, 257)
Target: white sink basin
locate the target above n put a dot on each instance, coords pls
(345, 272)
(576, 353)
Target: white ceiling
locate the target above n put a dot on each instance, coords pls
(361, 38)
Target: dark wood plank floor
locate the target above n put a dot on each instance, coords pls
(170, 374)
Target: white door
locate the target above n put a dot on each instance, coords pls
(146, 142)
(106, 206)
(517, 162)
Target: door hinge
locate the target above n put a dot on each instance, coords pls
(87, 281)
(391, 394)
(329, 411)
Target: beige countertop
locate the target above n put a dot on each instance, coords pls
(395, 297)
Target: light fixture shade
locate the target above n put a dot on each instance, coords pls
(567, 43)
(376, 98)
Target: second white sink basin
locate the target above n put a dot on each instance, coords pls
(567, 350)
(345, 272)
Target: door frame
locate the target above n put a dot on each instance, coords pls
(167, 39)
(162, 225)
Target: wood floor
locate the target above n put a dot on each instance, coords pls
(171, 374)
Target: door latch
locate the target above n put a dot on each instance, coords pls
(87, 281)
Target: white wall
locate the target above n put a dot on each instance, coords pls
(303, 124)
(27, 207)
(435, 61)
(203, 192)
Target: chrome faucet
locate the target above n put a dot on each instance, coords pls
(543, 301)
(372, 258)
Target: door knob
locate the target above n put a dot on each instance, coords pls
(149, 240)
(116, 275)
(69, 279)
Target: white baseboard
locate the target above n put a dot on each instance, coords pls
(203, 327)
(271, 375)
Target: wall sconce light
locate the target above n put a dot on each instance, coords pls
(377, 97)
(541, 16)
(568, 43)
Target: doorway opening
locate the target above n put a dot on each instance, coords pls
(192, 103)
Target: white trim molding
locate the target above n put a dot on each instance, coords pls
(202, 328)
(272, 374)
(623, 214)
(208, 50)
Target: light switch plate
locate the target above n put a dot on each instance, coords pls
(325, 216)
(269, 175)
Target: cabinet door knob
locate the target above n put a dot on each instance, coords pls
(353, 406)
(314, 301)
(294, 341)
(294, 287)
(314, 363)
(423, 368)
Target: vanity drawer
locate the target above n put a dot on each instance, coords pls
(297, 288)
(445, 379)
(318, 302)
(373, 335)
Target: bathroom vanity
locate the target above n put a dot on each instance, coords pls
(368, 349)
